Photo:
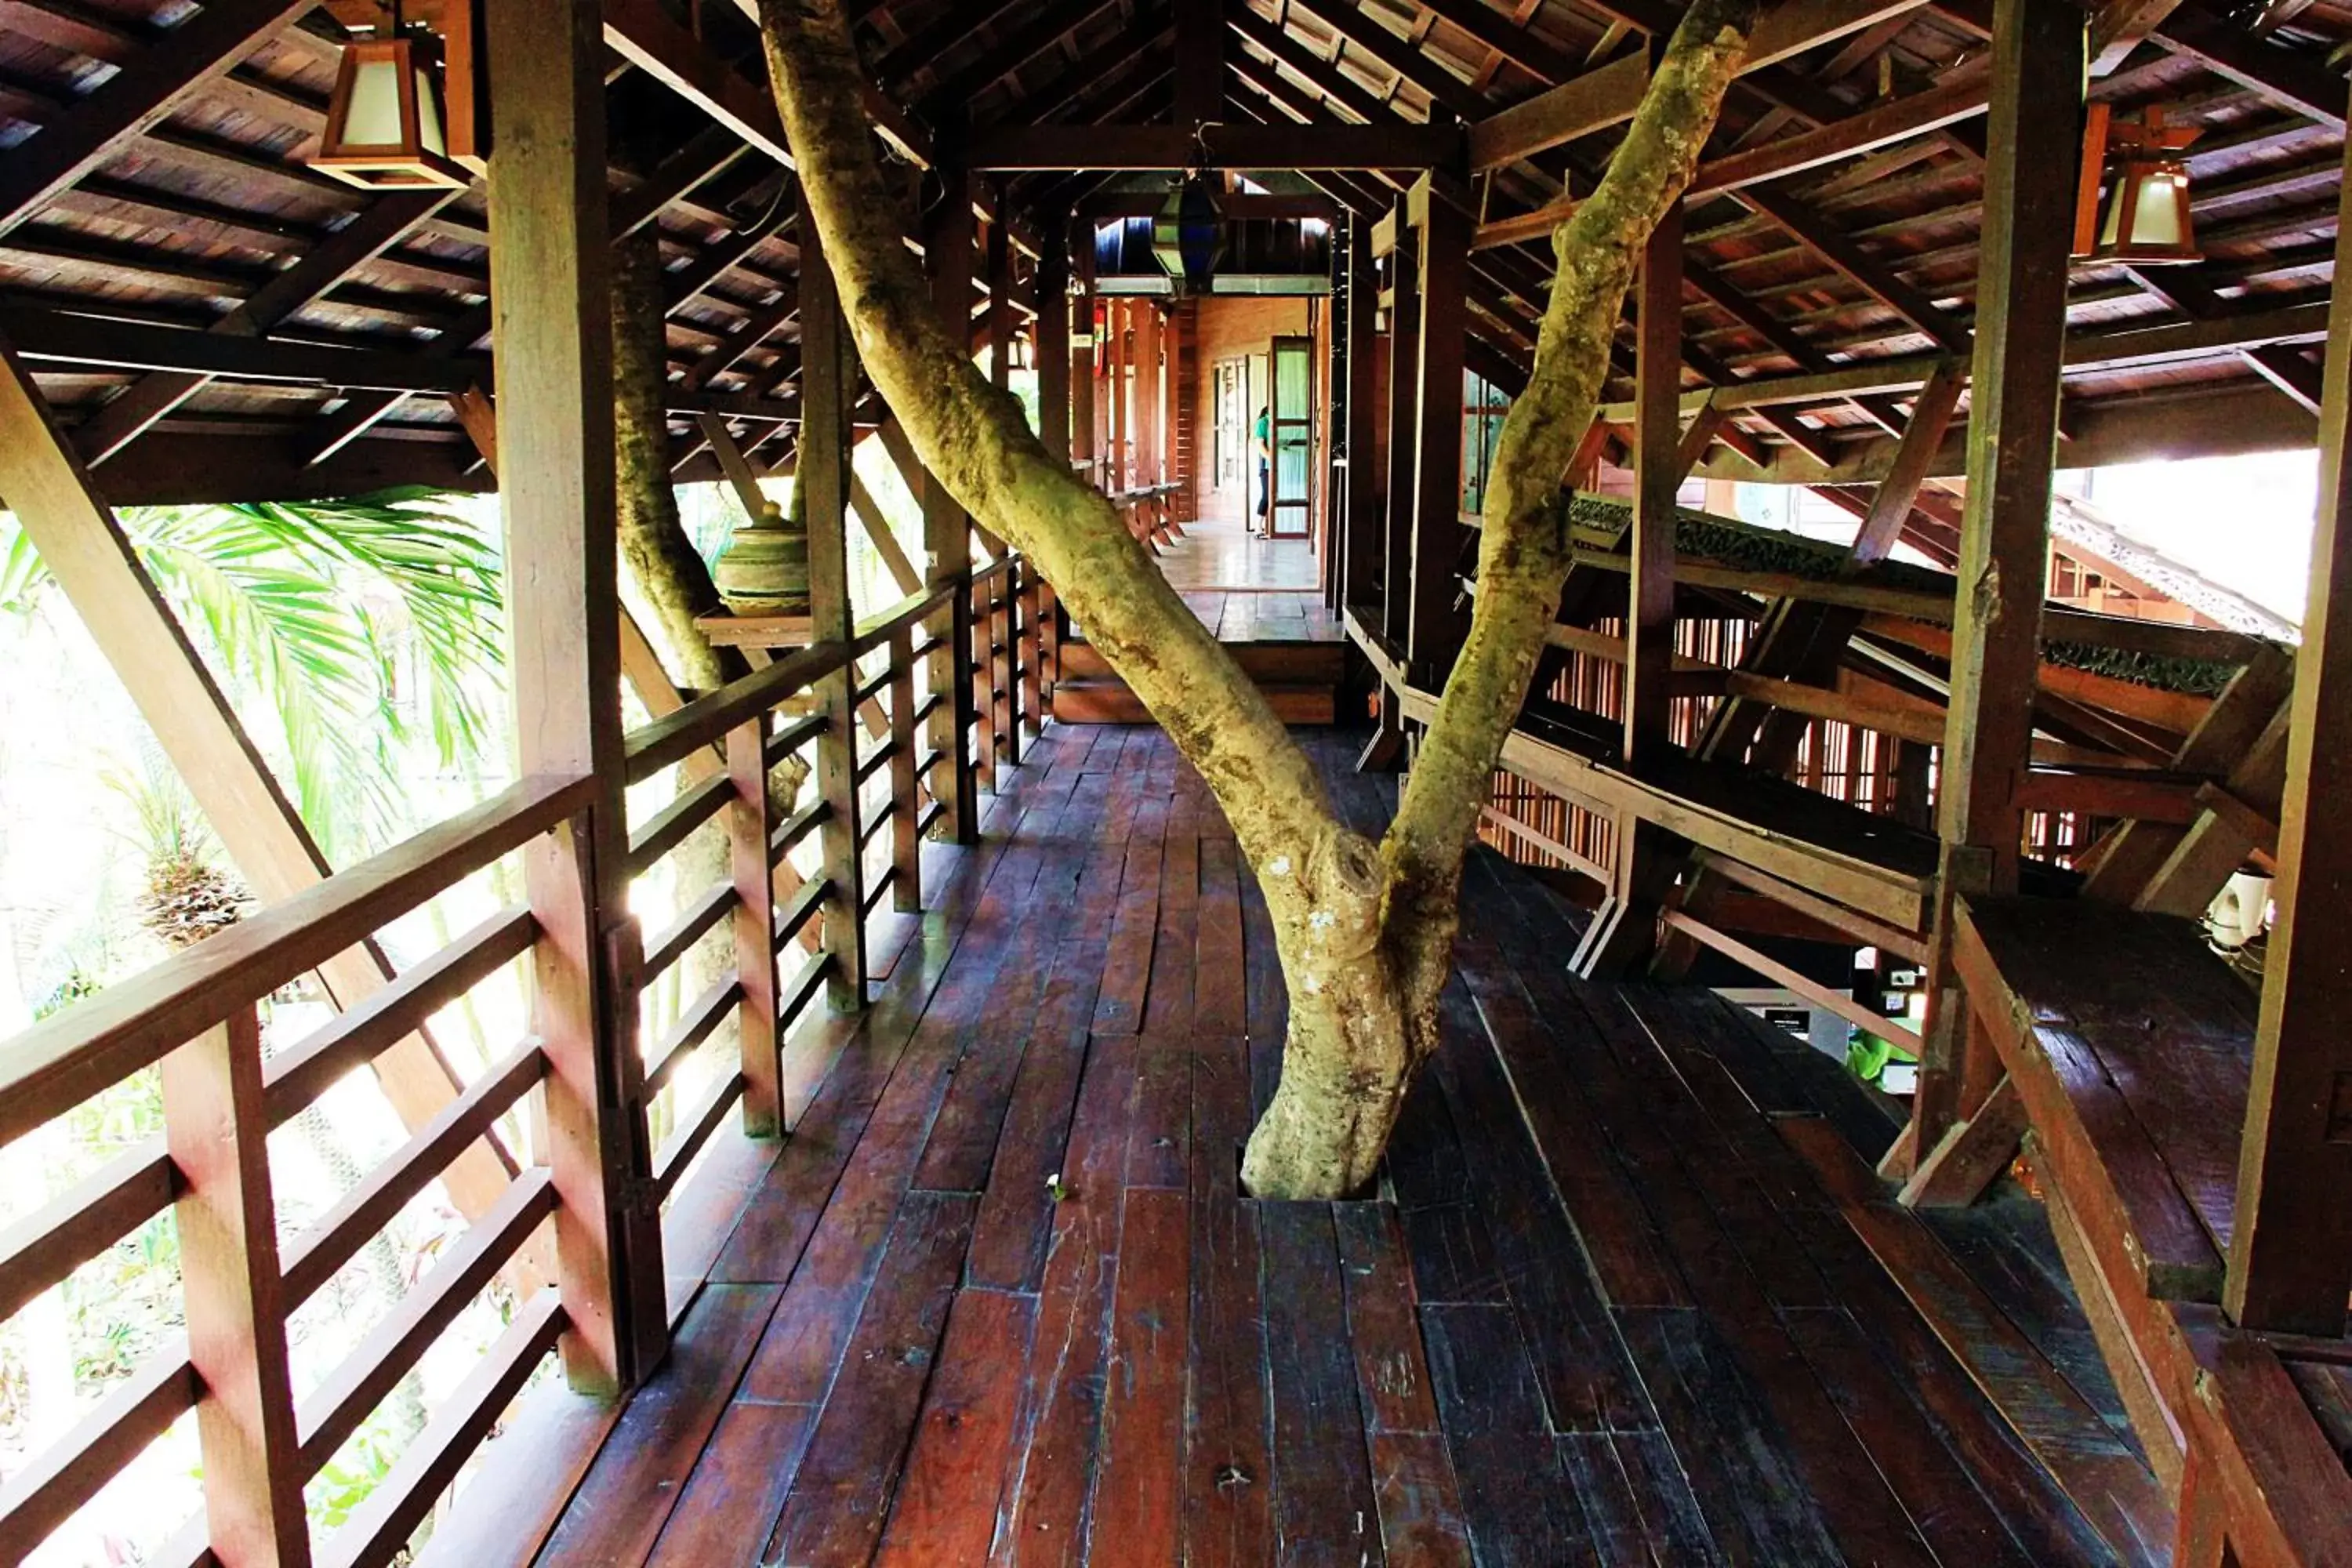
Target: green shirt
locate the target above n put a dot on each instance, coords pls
(1263, 428)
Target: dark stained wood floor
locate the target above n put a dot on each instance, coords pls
(1629, 1292)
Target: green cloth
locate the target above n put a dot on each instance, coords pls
(1264, 428)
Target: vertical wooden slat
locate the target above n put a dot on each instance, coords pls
(947, 531)
(216, 1127)
(1086, 447)
(1360, 529)
(1033, 649)
(906, 804)
(1404, 421)
(982, 683)
(750, 820)
(1436, 625)
(2291, 1250)
(1624, 929)
(548, 258)
(2037, 105)
(1122, 357)
(1054, 333)
(824, 476)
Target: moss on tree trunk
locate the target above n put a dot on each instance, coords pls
(1365, 931)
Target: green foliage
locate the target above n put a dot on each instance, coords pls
(366, 625)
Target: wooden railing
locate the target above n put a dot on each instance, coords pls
(802, 881)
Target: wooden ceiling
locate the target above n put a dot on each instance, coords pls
(216, 321)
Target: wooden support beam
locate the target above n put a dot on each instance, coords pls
(1436, 624)
(1972, 1154)
(1400, 145)
(1624, 930)
(1658, 473)
(1054, 335)
(1868, 272)
(1404, 296)
(2038, 65)
(948, 253)
(2289, 78)
(555, 447)
(153, 82)
(2291, 1245)
(1200, 34)
(1359, 523)
(78, 539)
(828, 371)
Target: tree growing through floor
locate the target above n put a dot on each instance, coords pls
(1365, 931)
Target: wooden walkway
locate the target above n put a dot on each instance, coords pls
(1628, 1293)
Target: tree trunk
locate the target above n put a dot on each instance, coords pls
(1365, 933)
(667, 567)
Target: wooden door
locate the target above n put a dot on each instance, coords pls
(1293, 405)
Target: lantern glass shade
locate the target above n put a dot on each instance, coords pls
(2146, 218)
(1189, 234)
(383, 124)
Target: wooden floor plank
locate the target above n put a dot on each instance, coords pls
(1062, 1390)
(948, 1501)
(627, 1495)
(1513, 1494)
(1412, 1473)
(1138, 1491)
(1624, 1293)
(842, 1489)
(1325, 1513)
(1228, 1477)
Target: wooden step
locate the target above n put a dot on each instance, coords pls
(1265, 662)
(1108, 701)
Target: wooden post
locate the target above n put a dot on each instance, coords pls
(947, 531)
(1000, 740)
(1053, 335)
(823, 476)
(1404, 431)
(750, 821)
(1436, 625)
(2037, 105)
(551, 310)
(217, 1127)
(2291, 1247)
(1624, 929)
(1121, 362)
(44, 482)
(1200, 63)
(1086, 448)
(906, 803)
(1033, 648)
(1650, 594)
(1360, 533)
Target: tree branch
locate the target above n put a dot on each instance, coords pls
(1523, 553)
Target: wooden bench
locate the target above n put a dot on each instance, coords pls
(2129, 1045)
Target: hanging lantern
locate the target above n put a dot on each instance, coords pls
(1189, 235)
(385, 128)
(2146, 219)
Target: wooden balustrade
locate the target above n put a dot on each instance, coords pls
(197, 1016)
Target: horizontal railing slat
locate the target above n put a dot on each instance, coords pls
(79, 1224)
(706, 719)
(97, 1043)
(676, 822)
(355, 1388)
(381, 1526)
(383, 1192)
(805, 905)
(68, 1473)
(697, 919)
(804, 985)
(296, 1077)
(692, 1029)
(795, 827)
(695, 1132)
(791, 737)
